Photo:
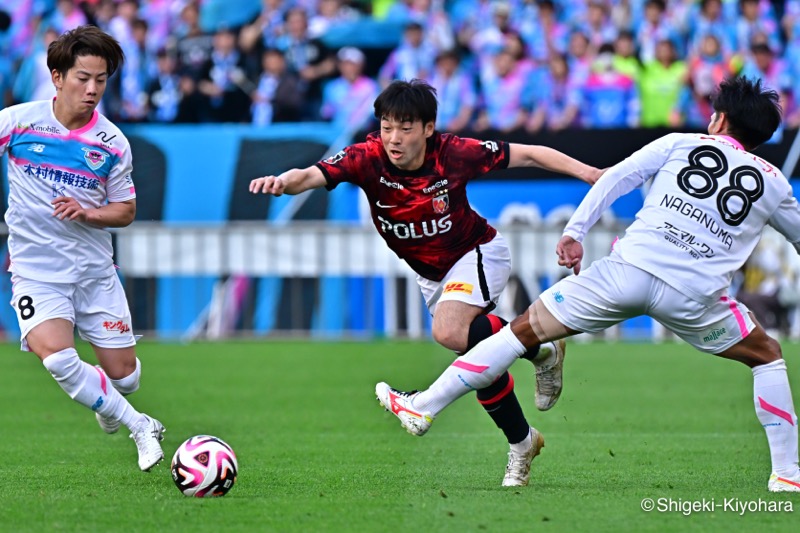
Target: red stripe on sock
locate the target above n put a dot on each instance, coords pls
(494, 320)
(502, 394)
(775, 410)
(478, 369)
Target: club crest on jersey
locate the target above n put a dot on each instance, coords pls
(441, 202)
(94, 158)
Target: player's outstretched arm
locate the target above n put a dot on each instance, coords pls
(525, 155)
(293, 181)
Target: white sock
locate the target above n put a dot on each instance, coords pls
(524, 446)
(476, 369)
(89, 386)
(130, 383)
(775, 411)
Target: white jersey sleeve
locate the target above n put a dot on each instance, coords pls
(119, 186)
(704, 213)
(618, 181)
(786, 220)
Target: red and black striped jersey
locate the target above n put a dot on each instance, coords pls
(423, 215)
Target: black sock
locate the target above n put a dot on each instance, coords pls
(498, 398)
(486, 325)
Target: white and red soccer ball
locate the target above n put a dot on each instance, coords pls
(204, 466)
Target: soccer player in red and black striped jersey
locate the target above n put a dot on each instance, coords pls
(415, 180)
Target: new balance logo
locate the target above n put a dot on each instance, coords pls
(96, 405)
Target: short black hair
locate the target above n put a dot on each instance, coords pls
(753, 112)
(407, 101)
(84, 41)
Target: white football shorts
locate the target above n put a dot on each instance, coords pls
(611, 290)
(477, 278)
(97, 307)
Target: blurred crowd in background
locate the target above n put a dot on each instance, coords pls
(497, 64)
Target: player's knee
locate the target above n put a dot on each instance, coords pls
(128, 384)
(450, 337)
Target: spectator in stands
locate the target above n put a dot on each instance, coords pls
(501, 96)
(660, 85)
(455, 92)
(266, 29)
(580, 57)
(161, 16)
(653, 28)
(347, 100)
(413, 58)
(623, 13)
(486, 43)
(121, 26)
(773, 73)
(224, 82)
(102, 13)
(163, 91)
(329, 13)
(708, 67)
(542, 31)
(597, 25)
(34, 80)
(557, 102)
(308, 57)
(609, 99)
(194, 45)
(625, 59)
(134, 76)
(6, 62)
(436, 23)
(709, 20)
(67, 16)
(279, 95)
(751, 21)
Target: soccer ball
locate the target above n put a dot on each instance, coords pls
(204, 466)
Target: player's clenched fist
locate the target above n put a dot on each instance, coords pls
(570, 253)
(268, 185)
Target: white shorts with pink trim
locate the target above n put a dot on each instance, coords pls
(611, 290)
(97, 307)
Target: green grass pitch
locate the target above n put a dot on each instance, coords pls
(317, 453)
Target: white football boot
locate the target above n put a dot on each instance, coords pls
(148, 437)
(782, 484)
(518, 469)
(549, 364)
(399, 404)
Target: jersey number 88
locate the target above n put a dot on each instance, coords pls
(701, 181)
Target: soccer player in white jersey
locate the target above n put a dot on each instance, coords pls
(69, 173)
(708, 203)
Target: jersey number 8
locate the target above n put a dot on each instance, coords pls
(701, 181)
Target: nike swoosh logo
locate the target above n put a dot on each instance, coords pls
(379, 204)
